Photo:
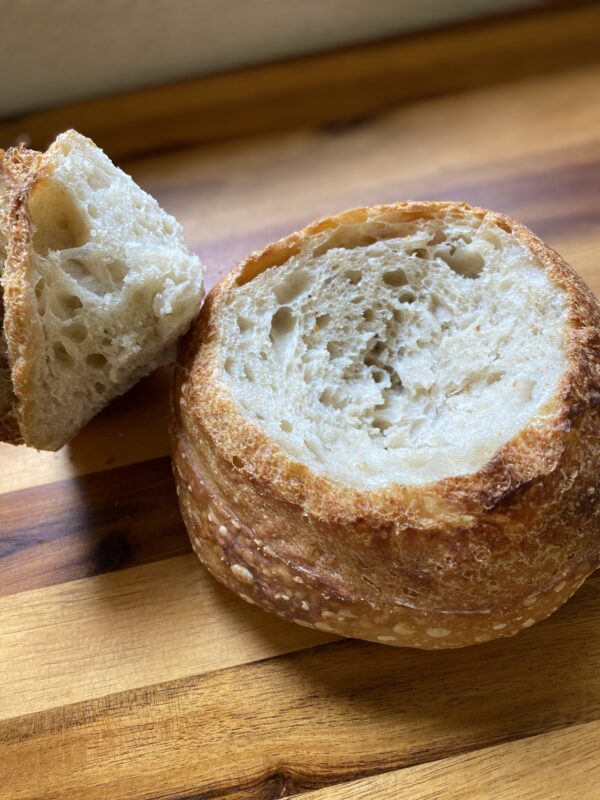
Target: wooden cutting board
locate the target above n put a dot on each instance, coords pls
(127, 672)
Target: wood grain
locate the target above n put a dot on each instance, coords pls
(92, 524)
(310, 719)
(326, 88)
(127, 629)
(562, 764)
(133, 428)
(125, 670)
(515, 151)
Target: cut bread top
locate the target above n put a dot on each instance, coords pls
(99, 285)
(396, 352)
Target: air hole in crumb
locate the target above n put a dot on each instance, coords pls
(96, 360)
(73, 302)
(438, 237)
(237, 462)
(381, 423)
(395, 277)
(67, 306)
(467, 263)
(368, 315)
(142, 295)
(97, 277)
(263, 355)
(100, 387)
(168, 228)
(58, 222)
(248, 374)
(283, 322)
(228, 365)
(372, 355)
(325, 397)
(398, 315)
(92, 211)
(335, 349)
(76, 269)
(75, 331)
(292, 287)
(322, 321)
(98, 180)
(286, 426)
(117, 271)
(493, 377)
(353, 275)
(244, 324)
(420, 252)
(61, 354)
(407, 296)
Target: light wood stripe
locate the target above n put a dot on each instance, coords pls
(561, 765)
(260, 730)
(139, 626)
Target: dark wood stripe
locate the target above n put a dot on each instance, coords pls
(85, 526)
(330, 714)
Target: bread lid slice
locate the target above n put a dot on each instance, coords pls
(387, 426)
(98, 286)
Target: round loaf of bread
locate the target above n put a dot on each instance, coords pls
(387, 426)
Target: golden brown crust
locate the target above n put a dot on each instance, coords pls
(15, 166)
(448, 564)
(9, 429)
(21, 324)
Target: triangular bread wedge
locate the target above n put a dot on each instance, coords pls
(98, 286)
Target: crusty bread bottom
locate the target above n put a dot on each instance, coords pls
(239, 557)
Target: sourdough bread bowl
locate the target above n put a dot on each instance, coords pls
(387, 426)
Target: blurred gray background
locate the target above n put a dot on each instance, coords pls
(58, 51)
